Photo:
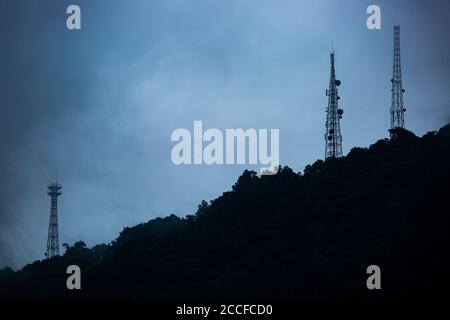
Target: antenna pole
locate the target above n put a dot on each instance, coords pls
(397, 109)
(333, 137)
(54, 190)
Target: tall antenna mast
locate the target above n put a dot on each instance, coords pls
(333, 137)
(397, 108)
(54, 190)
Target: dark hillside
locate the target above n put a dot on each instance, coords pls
(291, 235)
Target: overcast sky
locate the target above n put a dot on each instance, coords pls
(95, 108)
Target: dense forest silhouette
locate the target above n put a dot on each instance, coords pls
(287, 236)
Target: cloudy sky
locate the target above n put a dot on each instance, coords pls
(95, 108)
